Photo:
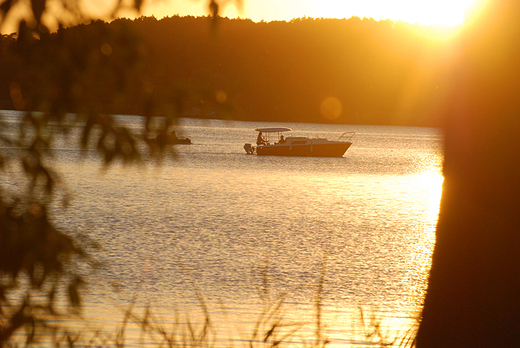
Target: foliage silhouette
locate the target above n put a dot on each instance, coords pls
(46, 76)
(380, 71)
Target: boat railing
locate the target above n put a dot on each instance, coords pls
(346, 134)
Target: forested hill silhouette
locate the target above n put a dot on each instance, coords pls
(352, 71)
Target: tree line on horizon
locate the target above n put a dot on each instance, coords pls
(349, 71)
(472, 296)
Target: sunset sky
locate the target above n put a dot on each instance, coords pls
(431, 12)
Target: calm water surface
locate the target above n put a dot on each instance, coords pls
(213, 219)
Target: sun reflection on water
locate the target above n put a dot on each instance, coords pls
(432, 183)
(421, 253)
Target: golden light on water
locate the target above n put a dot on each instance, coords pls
(433, 184)
(421, 252)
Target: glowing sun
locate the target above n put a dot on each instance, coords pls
(428, 12)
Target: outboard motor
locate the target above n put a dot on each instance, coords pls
(249, 149)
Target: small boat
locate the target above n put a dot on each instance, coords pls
(274, 143)
(172, 139)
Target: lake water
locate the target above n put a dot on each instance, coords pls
(212, 221)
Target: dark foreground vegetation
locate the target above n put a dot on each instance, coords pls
(140, 327)
(375, 72)
(355, 71)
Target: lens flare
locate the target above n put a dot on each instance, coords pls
(331, 108)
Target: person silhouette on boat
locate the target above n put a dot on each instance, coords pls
(282, 139)
(260, 139)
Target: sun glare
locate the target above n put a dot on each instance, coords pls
(427, 12)
(433, 184)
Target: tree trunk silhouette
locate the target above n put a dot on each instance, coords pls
(473, 297)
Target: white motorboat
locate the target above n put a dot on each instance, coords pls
(271, 141)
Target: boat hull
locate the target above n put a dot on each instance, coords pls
(172, 141)
(306, 150)
(179, 141)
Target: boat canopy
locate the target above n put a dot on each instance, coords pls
(273, 129)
